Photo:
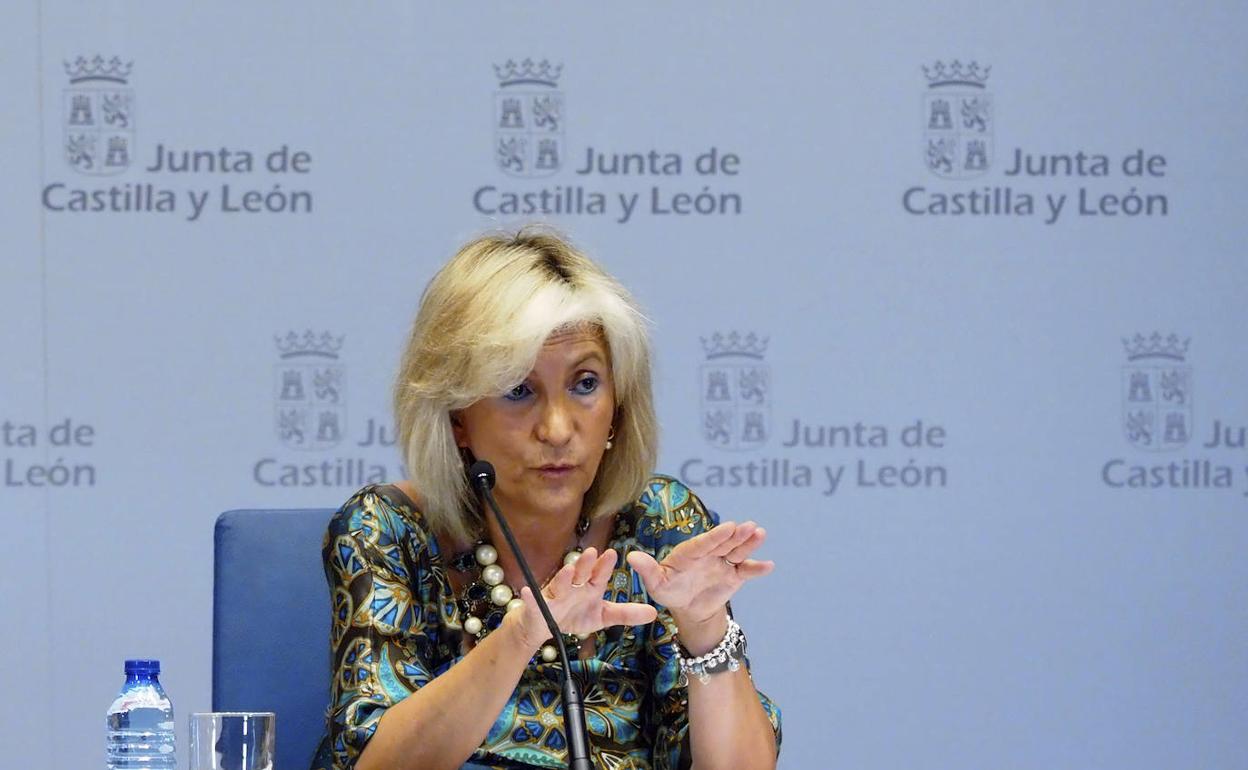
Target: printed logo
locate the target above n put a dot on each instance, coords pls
(957, 120)
(528, 118)
(310, 389)
(1156, 392)
(99, 116)
(735, 382)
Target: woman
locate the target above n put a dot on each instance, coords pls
(526, 354)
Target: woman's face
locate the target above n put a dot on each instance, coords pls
(546, 436)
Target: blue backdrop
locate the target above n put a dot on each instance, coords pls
(950, 297)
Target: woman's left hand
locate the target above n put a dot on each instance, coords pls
(698, 577)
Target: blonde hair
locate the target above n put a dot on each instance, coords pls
(482, 321)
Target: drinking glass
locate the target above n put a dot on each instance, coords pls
(236, 740)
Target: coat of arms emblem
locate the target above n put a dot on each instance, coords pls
(99, 116)
(1156, 392)
(957, 120)
(735, 387)
(528, 118)
(310, 390)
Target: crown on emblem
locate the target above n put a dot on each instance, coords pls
(734, 344)
(528, 72)
(113, 70)
(309, 343)
(1156, 346)
(956, 74)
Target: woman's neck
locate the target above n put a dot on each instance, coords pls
(544, 540)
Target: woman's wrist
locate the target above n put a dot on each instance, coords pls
(700, 635)
(513, 632)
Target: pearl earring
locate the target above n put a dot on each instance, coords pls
(610, 436)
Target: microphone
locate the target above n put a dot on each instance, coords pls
(482, 475)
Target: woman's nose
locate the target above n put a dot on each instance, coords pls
(555, 424)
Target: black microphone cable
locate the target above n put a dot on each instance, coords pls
(482, 476)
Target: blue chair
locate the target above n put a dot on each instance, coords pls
(270, 624)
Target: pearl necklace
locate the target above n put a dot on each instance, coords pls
(485, 600)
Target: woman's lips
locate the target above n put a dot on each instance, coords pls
(556, 471)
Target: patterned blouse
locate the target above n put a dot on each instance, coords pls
(396, 626)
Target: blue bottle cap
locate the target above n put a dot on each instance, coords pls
(142, 667)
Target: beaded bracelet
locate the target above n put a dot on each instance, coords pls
(723, 658)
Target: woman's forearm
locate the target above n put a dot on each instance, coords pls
(442, 723)
(728, 727)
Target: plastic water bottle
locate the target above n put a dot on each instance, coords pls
(140, 722)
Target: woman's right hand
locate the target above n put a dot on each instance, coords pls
(574, 596)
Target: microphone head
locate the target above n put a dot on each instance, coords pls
(482, 474)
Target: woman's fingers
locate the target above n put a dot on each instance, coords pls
(627, 614)
(583, 567)
(560, 583)
(740, 535)
(748, 570)
(710, 541)
(645, 566)
(603, 568)
(749, 544)
(571, 576)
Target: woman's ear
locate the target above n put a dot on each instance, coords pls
(457, 429)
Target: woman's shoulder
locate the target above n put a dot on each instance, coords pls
(379, 514)
(668, 511)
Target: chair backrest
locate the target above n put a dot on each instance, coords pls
(270, 624)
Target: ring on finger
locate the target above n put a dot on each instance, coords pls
(731, 563)
(578, 585)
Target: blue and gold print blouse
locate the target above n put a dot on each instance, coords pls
(396, 627)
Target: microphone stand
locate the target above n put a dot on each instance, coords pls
(573, 706)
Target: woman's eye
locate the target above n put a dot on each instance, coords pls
(518, 393)
(587, 384)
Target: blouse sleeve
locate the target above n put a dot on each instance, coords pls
(384, 628)
(674, 514)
